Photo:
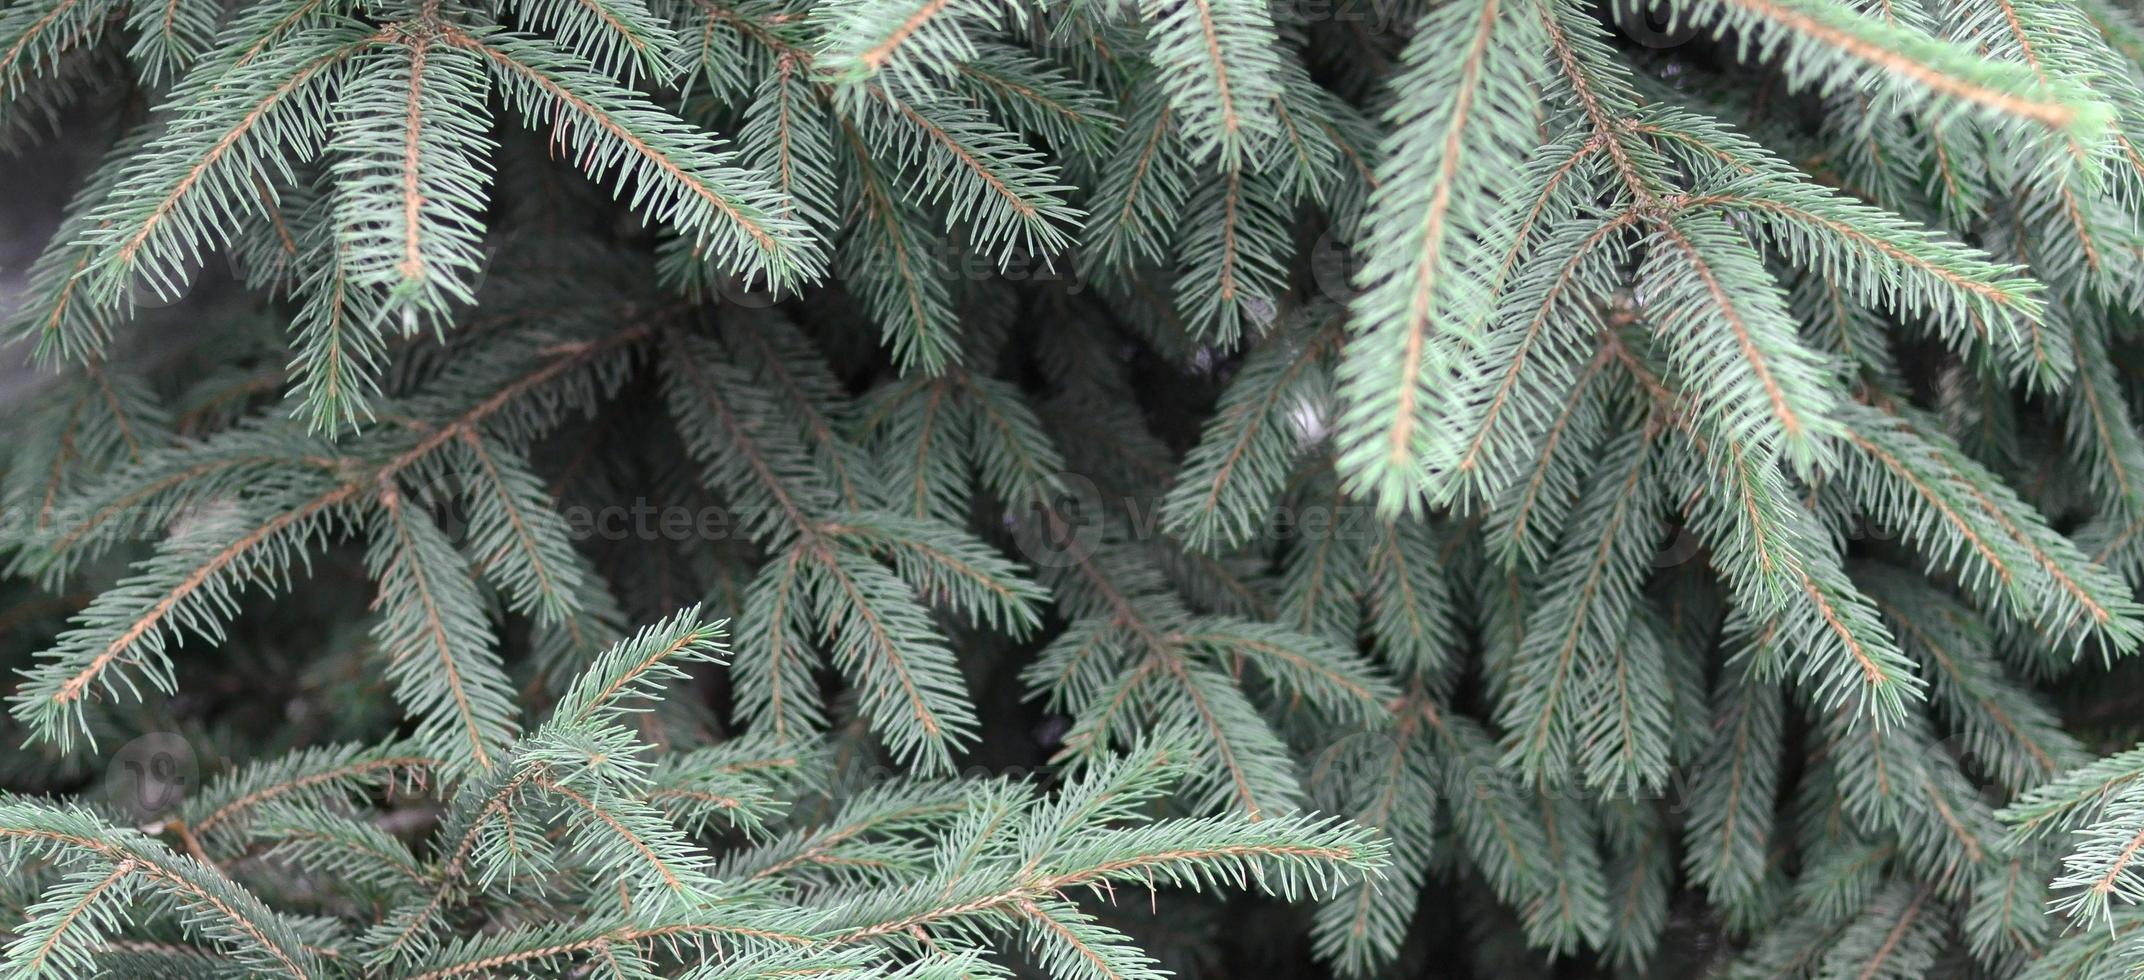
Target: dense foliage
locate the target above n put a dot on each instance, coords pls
(1374, 488)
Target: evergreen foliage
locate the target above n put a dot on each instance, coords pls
(1497, 488)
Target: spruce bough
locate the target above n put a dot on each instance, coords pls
(1513, 495)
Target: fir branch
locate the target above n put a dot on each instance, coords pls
(683, 180)
(1831, 36)
(1217, 60)
(118, 863)
(1231, 478)
(438, 642)
(168, 199)
(410, 179)
(1432, 234)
